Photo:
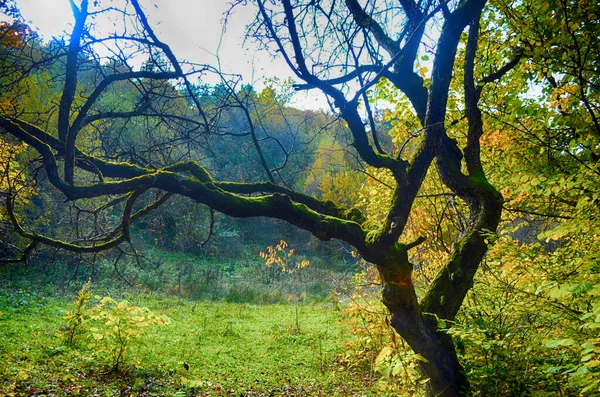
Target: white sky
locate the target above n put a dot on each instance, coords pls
(192, 28)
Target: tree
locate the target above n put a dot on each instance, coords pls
(377, 48)
(345, 50)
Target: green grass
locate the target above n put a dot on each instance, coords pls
(229, 349)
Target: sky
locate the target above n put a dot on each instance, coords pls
(192, 28)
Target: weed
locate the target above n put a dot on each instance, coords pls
(76, 318)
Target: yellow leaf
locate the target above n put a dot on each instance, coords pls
(23, 375)
(383, 355)
(419, 357)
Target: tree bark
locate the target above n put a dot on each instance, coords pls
(419, 329)
(442, 369)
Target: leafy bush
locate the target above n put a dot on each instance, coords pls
(118, 326)
(112, 327)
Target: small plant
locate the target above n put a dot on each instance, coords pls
(76, 318)
(119, 325)
(280, 256)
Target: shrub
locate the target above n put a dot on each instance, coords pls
(112, 327)
(118, 326)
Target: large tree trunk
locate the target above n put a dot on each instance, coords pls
(445, 374)
(419, 330)
(416, 321)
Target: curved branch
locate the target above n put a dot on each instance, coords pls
(348, 77)
(170, 56)
(498, 74)
(448, 290)
(24, 256)
(82, 118)
(200, 188)
(62, 244)
(324, 207)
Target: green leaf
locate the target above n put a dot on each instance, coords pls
(580, 289)
(583, 370)
(591, 387)
(419, 357)
(398, 367)
(559, 342)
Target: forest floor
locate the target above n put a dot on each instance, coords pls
(208, 348)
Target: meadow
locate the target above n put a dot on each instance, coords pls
(206, 348)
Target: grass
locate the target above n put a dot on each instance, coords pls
(209, 348)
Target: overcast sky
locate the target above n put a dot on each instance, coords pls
(192, 28)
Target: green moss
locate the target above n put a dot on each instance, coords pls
(356, 215)
(481, 181)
